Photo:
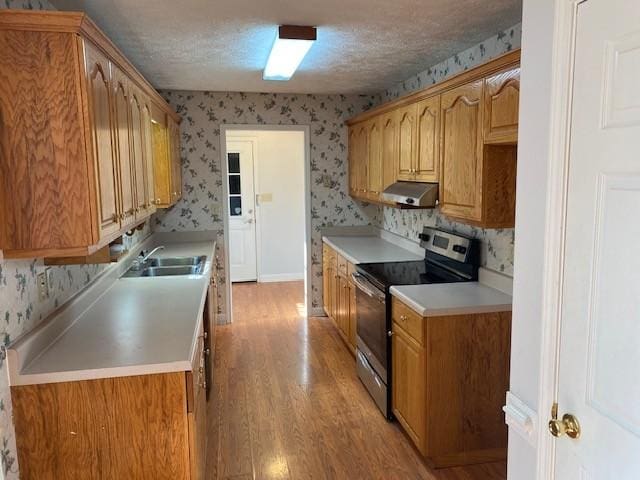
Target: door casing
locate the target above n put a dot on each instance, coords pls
(227, 130)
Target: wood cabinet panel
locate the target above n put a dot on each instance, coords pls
(461, 180)
(390, 145)
(161, 162)
(406, 142)
(126, 427)
(449, 381)
(408, 320)
(70, 141)
(501, 106)
(427, 159)
(374, 160)
(409, 400)
(41, 150)
(147, 142)
(122, 125)
(176, 161)
(98, 78)
(138, 153)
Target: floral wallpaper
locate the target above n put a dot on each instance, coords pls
(204, 112)
(497, 245)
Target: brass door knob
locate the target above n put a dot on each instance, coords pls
(568, 425)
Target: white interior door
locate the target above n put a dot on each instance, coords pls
(241, 207)
(599, 375)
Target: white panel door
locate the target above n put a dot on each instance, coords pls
(241, 208)
(599, 376)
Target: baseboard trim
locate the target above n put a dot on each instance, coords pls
(317, 312)
(281, 277)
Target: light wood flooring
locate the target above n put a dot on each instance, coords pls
(287, 403)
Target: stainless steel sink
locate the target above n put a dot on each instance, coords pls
(167, 267)
(176, 261)
(171, 271)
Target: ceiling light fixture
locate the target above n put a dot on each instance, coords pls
(289, 48)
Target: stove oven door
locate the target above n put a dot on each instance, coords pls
(371, 324)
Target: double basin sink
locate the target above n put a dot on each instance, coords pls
(165, 267)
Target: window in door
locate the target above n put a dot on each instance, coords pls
(235, 192)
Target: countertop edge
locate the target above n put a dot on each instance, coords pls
(448, 311)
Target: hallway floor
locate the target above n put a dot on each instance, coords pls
(287, 403)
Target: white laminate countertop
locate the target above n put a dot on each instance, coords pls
(136, 326)
(452, 298)
(369, 249)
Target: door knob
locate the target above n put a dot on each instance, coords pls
(568, 425)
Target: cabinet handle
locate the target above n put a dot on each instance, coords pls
(207, 351)
(390, 333)
(115, 217)
(403, 318)
(203, 384)
(158, 201)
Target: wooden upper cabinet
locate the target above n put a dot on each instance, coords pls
(374, 160)
(138, 153)
(122, 124)
(501, 102)
(147, 145)
(461, 181)
(358, 160)
(390, 135)
(98, 78)
(427, 157)
(176, 162)
(406, 142)
(73, 173)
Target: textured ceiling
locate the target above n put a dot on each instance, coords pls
(363, 46)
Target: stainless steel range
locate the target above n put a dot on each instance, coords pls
(449, 258)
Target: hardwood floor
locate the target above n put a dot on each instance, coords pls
(287, 403)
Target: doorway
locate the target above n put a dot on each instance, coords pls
(266, 207)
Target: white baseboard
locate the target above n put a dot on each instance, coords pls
(317, 312)
(281, 277)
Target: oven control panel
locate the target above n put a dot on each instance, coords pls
(448, 244)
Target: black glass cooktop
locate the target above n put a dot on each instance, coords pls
(385, 275)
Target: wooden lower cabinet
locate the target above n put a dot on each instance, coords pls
(146, 426)
(339, 294)
(450, 377)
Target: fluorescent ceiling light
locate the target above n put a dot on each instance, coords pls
(290, 47)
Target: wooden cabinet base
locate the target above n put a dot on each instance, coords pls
(113, 428)
(450, 376)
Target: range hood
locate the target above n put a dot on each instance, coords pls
(413, 194)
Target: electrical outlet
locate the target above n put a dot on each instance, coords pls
(49, 272)
(215, 209)
(43, 286)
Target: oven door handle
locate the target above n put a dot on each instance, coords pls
(366, 286)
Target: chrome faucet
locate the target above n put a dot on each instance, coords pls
(137, 263)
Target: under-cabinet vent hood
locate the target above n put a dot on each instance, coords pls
(414, 194)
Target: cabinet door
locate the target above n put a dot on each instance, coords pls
(406, 142)
(390, 135)
(161, 159)
(343, 287)
(427, 158)
(138, 154)
(326, 283)
(352, 315)
(176, 162)
(98, 78)
(374, 159)
(147, 145)
(362, 139)
(409, 378)
(501, 104)
(461, 179)
(122, 127)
